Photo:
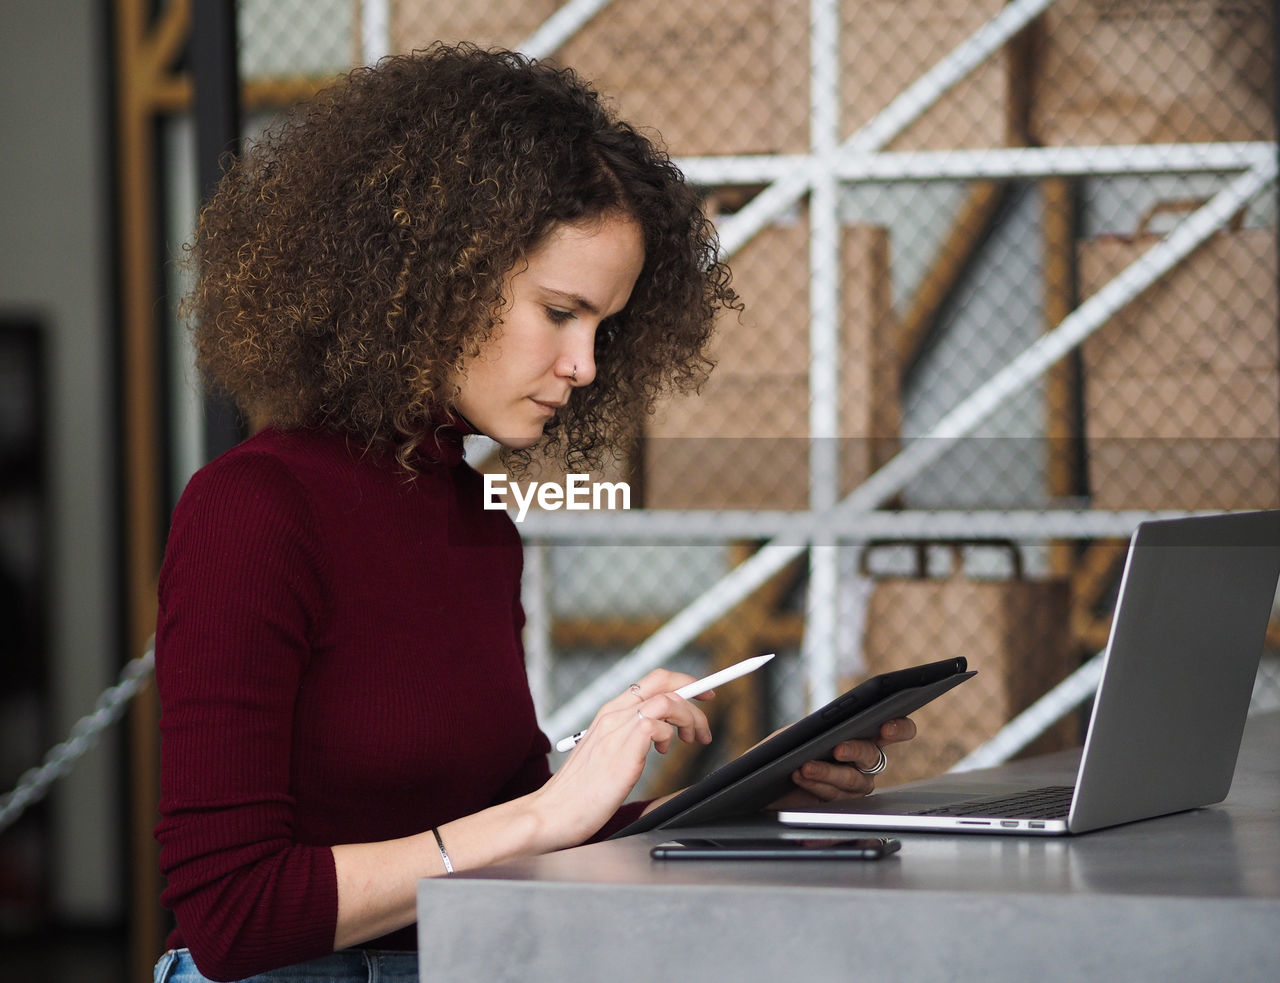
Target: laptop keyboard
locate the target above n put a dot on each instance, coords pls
(1046, 802)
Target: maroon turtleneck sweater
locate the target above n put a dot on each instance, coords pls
(339, 660)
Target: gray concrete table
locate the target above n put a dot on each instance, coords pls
(1194, 896)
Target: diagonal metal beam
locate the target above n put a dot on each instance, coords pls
(1037, 718)
(877, 132)
(923, 451)
(561, 26)
(1049, 347)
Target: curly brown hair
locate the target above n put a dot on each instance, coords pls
(355, 256)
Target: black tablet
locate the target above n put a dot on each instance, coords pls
(762, 774)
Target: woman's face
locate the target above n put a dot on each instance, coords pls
(544, 348)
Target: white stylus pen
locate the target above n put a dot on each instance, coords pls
(690, 690)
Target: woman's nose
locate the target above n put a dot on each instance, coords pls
(579, 362)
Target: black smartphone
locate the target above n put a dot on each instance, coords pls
(806, 848)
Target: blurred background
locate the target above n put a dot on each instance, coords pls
(1010, 282)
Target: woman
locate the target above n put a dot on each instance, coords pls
(454, 242)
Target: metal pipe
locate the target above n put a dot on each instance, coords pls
(375, 30)
(822, 596)
(997, 163)
(801, 528)
(917, 98)
(561, 26)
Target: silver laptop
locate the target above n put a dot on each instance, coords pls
(1179, 670)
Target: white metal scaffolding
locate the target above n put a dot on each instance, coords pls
(1248, 170)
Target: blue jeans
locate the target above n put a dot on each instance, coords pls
(348, 966)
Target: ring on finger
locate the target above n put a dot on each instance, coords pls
(876, 768)
(635, 690)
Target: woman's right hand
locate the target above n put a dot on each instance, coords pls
(377, 882)
(601, 771)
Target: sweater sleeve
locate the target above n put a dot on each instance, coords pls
(535, 770)
(240, 595)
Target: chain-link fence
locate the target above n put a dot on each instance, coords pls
(1010, 279)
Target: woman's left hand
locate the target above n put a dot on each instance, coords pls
(826, 781)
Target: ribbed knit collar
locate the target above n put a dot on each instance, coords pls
(443, 442)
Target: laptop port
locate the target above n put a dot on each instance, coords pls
(1009, 823)
(1035, 825)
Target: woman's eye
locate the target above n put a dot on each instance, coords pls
(558, 316)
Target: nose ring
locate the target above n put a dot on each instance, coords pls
(574, 376)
